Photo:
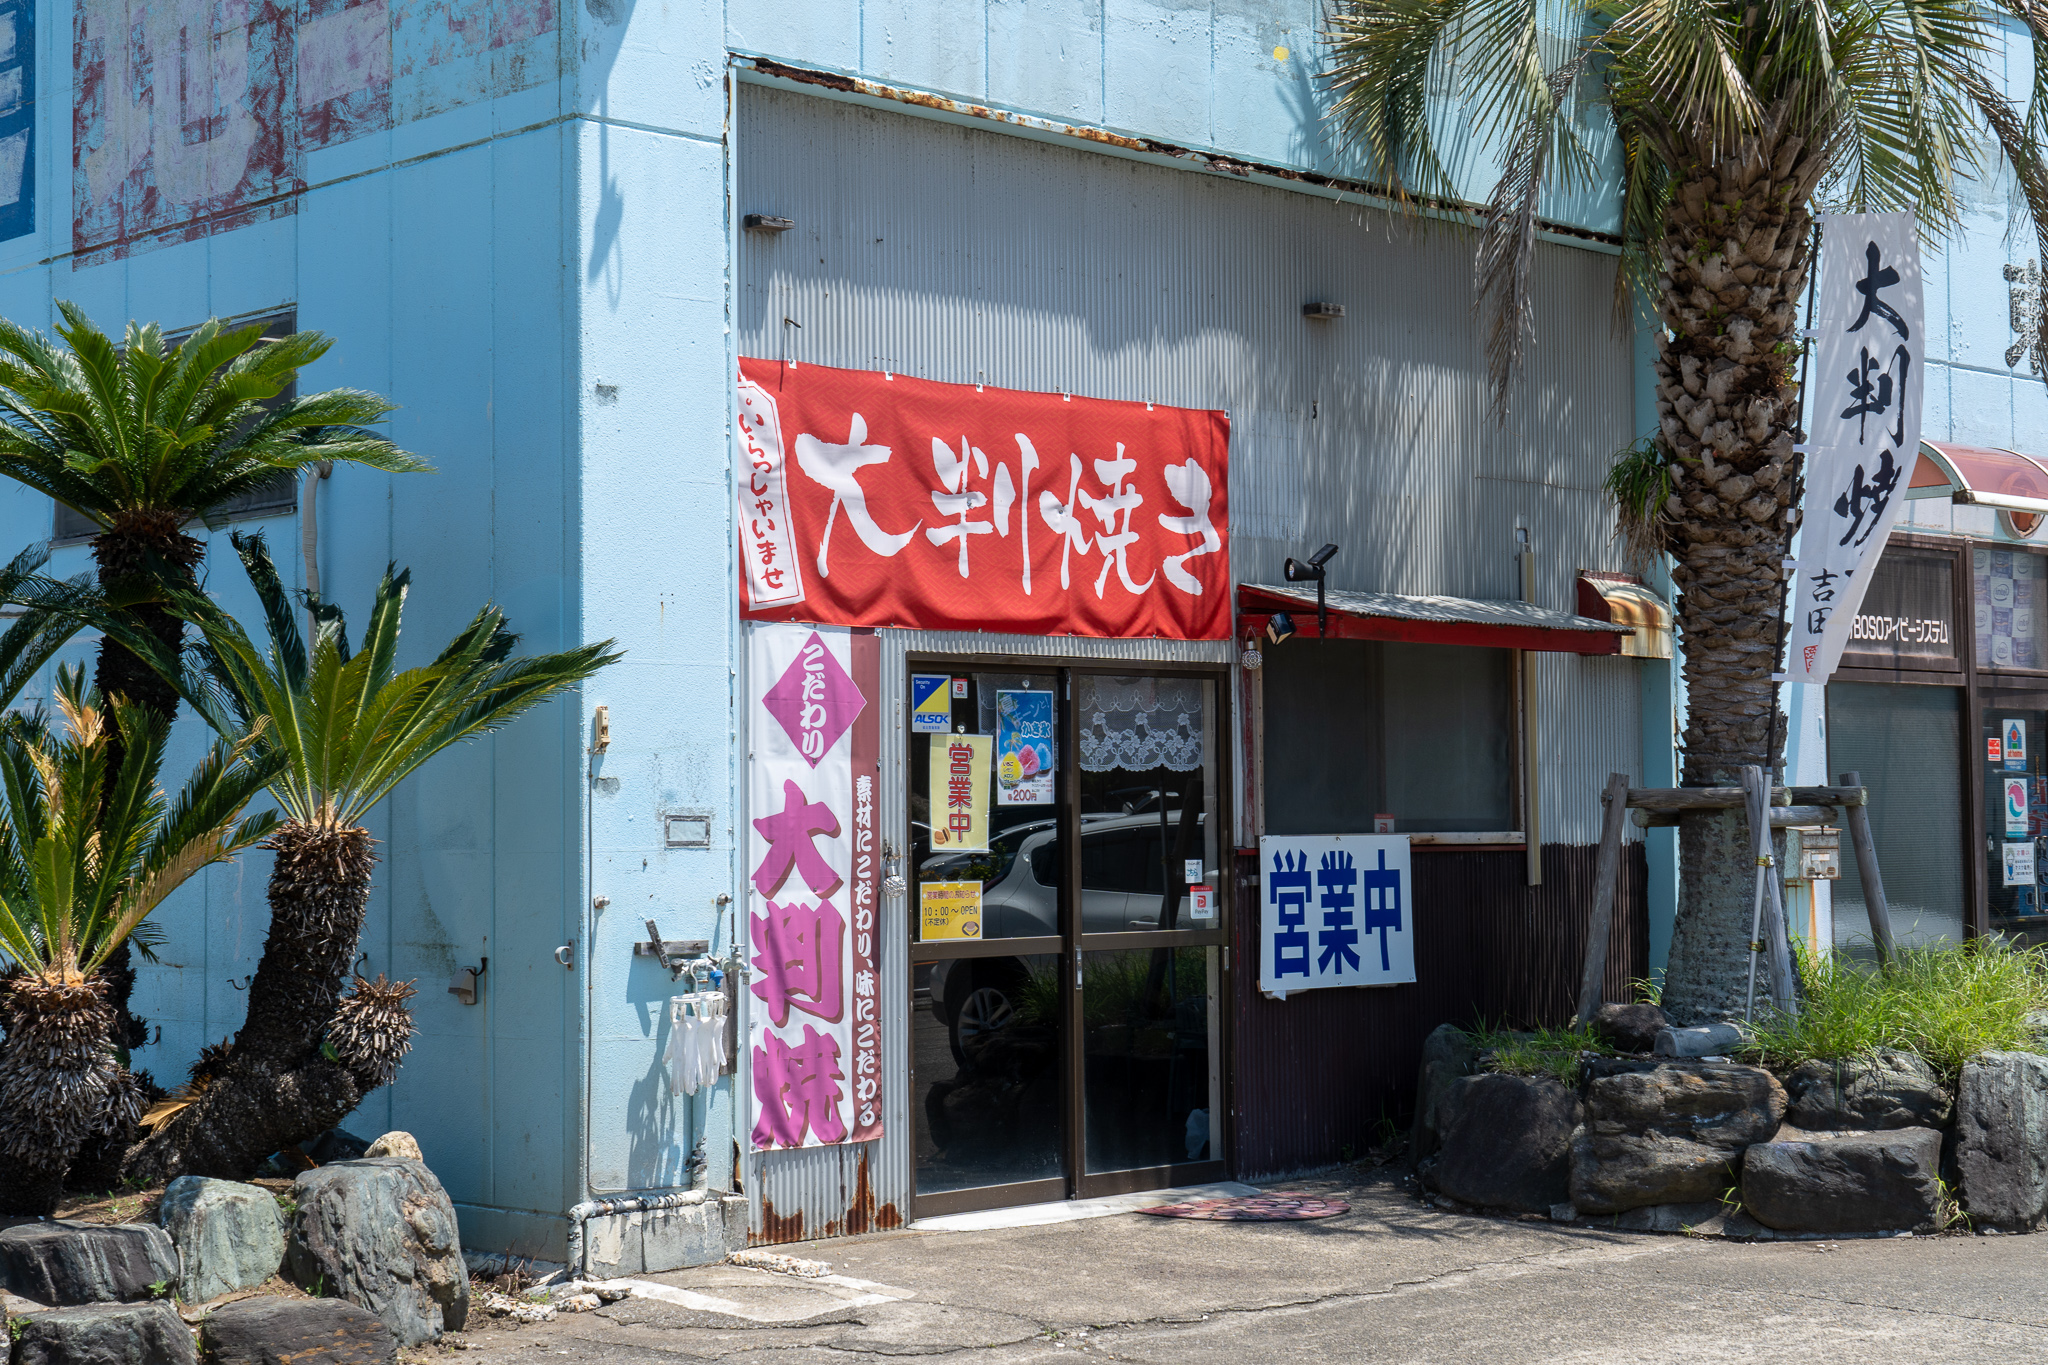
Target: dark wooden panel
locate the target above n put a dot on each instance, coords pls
(1315, 1073)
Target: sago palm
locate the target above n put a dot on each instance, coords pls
(343, 728)
(87, 851)
(1730, 121)
(144, 439)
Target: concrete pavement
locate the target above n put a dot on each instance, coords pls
(1391, 1281)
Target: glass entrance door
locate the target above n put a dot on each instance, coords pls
(2015, 811)
(1067, 928)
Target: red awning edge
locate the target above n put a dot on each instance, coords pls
(1428, 620)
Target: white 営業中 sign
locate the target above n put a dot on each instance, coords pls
(1334, 910)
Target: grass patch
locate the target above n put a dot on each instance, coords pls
(1945, 1004)
(1556, 1052)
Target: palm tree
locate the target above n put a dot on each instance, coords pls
(343, 728)
(87, 851)
(142, 439)
(1731, 120)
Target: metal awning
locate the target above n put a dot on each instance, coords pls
(1983, 476)
(1623, 600)
(1429, 620)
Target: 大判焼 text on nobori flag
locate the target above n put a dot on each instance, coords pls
(1863, 436)
(876, 500)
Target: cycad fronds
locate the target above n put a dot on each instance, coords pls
(344, 726)
(83, 860)
(141, 429)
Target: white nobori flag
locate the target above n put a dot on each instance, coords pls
(1863, 438)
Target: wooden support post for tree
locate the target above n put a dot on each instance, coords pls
(1866, 870)
(1606, 881)
(1767, 930)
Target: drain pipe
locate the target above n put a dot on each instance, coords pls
(637, 1201)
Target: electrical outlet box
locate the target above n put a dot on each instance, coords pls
(686, 829)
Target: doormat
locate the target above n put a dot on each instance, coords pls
(1281, 1207)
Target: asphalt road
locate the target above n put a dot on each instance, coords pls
(1391, 1281)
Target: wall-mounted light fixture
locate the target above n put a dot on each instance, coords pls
(1311, 571)
(766, 222)
(1322, 312)
(1279, 626)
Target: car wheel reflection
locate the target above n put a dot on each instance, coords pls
(986, 1011)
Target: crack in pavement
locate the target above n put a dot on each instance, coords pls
(1740, 1291)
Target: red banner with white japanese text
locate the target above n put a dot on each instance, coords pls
(814, 1027)
(880, 500)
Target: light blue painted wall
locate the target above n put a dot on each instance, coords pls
(439, 253)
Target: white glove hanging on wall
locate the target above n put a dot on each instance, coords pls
(719, 1056)
(676, 1054)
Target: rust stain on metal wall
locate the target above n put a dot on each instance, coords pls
(777, 1228)
(1320, 1070)
(193, 117)
(862, 1214)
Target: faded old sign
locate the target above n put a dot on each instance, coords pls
(814, 1022)
(191, 117)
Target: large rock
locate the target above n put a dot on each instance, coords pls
(1668, 1132)
(297, 1332)
(229, 1235)
(2002, 1139)
(1506, 1141)
(106, 1334)
(1846, 1183)
(1631, 1028)
(63, 1263)
(1889, 1089)
(381, 1233)
(1447, 1054)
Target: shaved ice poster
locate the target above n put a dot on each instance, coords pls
(1024, 757)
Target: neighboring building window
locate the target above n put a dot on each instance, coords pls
(278, 496)
(2011, 595)
(17, 118)
(1359, 728)
(1906, 618)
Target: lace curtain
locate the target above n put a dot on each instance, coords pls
(1139, 723)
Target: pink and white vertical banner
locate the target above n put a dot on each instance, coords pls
(814, 1022)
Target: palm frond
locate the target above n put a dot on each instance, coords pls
(144, 428)
(340, 729)
(83, 864)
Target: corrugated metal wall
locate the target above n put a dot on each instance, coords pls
(973, 256)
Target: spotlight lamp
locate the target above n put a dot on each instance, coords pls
(1311, 570)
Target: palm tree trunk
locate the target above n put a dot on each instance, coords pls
(140, 552)
(60, 1084)
(277, 1085)
(1734, 261)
